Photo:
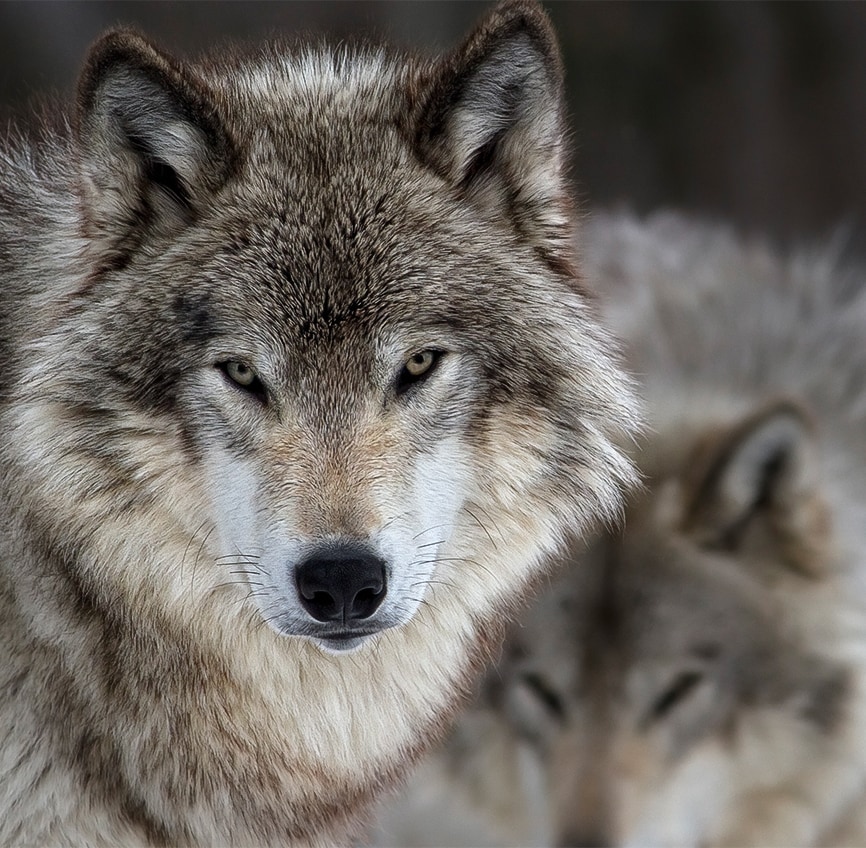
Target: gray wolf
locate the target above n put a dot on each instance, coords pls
(698, 678)
(300, 388)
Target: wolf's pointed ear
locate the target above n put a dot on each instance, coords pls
(152, 147)
(759, 485)
(492, 123)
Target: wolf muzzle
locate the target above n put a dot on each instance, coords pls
(343, 585)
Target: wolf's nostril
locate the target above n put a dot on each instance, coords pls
(322, 601)
(365, 603)
(341, 584)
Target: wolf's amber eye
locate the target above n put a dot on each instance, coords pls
(242, 374)
(244, 378)
(419, 363)
(417, 367)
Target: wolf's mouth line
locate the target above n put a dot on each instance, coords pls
(347, 634)
(339, 635)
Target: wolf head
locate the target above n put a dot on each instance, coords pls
(680, 683)
(330, 296)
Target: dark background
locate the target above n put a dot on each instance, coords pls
(751, 112)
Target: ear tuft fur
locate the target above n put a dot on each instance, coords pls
(493, 122)
(151, 144)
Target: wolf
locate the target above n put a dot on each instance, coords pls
(301, 385)
(687, 699)
(697, 678)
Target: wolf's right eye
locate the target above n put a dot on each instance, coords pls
(545, 695)
(244, 377)
(416, 368)
(534, 707)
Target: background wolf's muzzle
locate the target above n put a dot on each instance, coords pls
(341, 584)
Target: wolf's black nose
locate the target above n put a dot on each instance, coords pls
(341, 584)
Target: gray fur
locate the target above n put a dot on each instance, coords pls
(317, 216)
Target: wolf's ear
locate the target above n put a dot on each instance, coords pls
(759, 485)
(492, 123)
(152, 147)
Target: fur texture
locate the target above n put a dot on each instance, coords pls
(259, 312)
(698, 679)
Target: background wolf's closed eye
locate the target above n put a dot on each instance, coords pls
(750, 112)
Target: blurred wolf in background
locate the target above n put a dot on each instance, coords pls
(697, 679)
(300, 388)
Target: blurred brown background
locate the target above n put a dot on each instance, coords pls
(753, 112)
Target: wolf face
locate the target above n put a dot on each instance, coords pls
(341, 283)
(680, 683)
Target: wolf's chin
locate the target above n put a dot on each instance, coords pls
(341, 646)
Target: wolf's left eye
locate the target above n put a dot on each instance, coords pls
(681, 688)
(416, 368)
(244, 377)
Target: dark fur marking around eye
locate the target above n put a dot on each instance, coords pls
(195, 318)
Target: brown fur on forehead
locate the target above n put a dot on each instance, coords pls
(317, 284)
(330, 200)
(342, 250)
(332, 227)
(631, 596)
(679, 608)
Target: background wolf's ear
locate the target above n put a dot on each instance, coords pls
(759, 485)
(492, 123)
(152, 147)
